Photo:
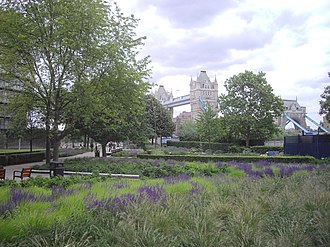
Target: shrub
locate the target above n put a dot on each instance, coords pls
(200, 145)
(264, 149)
(208, 158)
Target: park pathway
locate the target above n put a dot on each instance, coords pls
(12, 168)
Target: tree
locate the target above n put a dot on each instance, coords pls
(49, 48)
(209, 125)
(325, 103)
(158, 118)
(26, 121)
(250, 107)
(188, 131)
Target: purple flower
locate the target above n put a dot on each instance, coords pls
(176, 179)
(220, 164)
(247, 168)
(269, 172)
(196, 189)
(263, 163)
(115, 205)
(153, 193)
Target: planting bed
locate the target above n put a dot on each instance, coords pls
(241, 204)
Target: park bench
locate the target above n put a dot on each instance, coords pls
(24, 173)
(2, 173)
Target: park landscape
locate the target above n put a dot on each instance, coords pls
(73, 71)
(175, 203)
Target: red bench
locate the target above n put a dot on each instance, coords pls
(24, 173)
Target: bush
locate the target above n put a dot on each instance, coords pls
(20, 158)
(264, 149)
(202, 145)
(206, 158)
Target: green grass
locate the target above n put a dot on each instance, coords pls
(227, 210)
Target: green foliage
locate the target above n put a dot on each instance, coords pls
(325, 103)
(222, 211)
(210, 127)
(60, 54)
(264, 149)
(188, 131)
(249, 108)
(199, 145)
(21, 157)
(158, 118)
(225, 158)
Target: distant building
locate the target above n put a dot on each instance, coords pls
(161, 94)
(180, 119)
(295, 111)
(5, 92)
(202, 88)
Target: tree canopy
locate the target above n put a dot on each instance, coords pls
(158, 118)
(250, 107)
(50, 50)
(188, 131)
(325, 103)
(209, 126)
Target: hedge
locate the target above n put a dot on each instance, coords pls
(264, 149)
(20, 158)
(207, 158)
(202, 145)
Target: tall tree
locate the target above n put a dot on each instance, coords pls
(325, 103)
(209, 125)
(50, 47)
(110, 104)
(250, 106)
(188, 131)
(158, 118)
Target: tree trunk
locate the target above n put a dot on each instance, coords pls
(31, 140)
(104, 149)
(47, 123)
(247, 142)
(56, 137)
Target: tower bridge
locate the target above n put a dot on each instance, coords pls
(203, 90)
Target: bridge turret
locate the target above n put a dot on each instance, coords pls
(202, 88)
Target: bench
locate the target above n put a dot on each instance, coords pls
(24, 173)
(2, 173)
(113, 151)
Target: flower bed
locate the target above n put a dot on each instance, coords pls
(182, 210)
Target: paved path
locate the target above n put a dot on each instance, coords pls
(11, 169)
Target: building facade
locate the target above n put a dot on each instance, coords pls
(202, 89)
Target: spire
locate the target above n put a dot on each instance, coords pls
(215, 78)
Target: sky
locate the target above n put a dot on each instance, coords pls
(288, 40)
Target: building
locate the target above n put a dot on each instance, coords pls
(202, 89)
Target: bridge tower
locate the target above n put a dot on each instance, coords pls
(295, 111)
(202, 88)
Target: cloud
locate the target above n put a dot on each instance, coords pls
(288, 40)
(188, 13)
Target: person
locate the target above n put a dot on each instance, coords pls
(97, 152)
(92, 145)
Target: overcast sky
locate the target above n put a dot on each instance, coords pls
(289, 40)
